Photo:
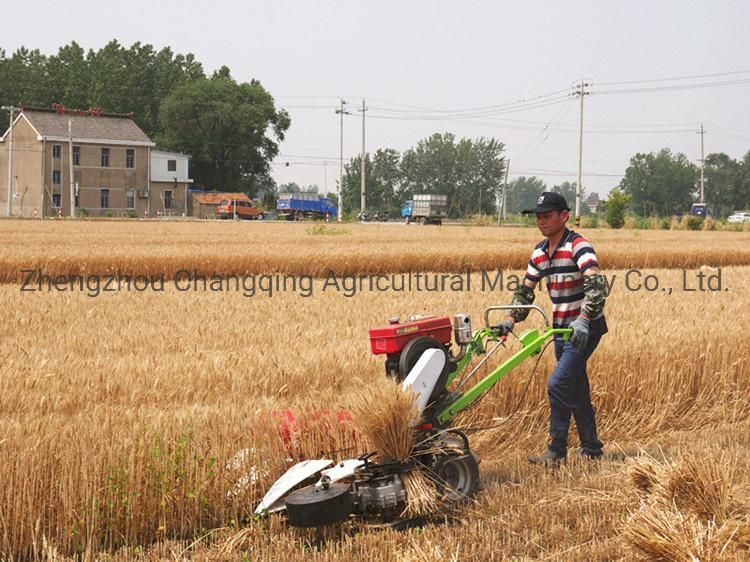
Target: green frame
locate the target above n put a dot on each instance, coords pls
(531, 340)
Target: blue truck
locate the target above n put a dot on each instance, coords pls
(699, 210)
(298, 206)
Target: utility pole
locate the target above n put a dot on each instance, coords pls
(702, 132)
(70, 165)
(581, 93)
(362, 162)
(504, 197)
(342, 112)
(11, 109)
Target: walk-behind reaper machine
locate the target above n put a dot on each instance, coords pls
(419, 355)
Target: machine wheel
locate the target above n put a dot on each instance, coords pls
(423, 221)
(261, 217)
(459, 476)
(455, 466)
(313, 506)
(412, 352)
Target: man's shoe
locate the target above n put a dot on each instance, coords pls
(590, 456)
(547, 458)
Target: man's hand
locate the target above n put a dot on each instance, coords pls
(580, 332)
(505, 327)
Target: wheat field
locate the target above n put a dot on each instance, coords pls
(121, 414)
(164, 248)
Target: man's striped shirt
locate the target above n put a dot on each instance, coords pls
(564, 272)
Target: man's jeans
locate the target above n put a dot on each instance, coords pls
(568, 391)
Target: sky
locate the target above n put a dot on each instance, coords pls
(475, 69)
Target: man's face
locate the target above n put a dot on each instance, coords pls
(551, 222)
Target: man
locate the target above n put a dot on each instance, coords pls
(577, 290)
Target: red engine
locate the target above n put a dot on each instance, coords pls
(394, 337)
(412, 337)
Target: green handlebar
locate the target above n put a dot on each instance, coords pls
(531, 342)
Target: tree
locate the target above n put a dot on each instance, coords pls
(432, 167)
(290, 187)
(615, 207)
(231, 130)
(485, 167)
(25, 79)
(351, 188)
(523, 193)
(382, 182)
(385, 181)
(568, 190)
(117, 79)
(723, 193)
(469, 172)
(660, 183)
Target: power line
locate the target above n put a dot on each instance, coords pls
(695, 86)
(548, 172)
(461, 116)
(674, 78)
(528, 151)
(522, 101)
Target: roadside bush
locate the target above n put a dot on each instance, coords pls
(481, 220)
(694, 223)
(617, 204)
(589, 221)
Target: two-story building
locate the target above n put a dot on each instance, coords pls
(99, 162)
(170, 184)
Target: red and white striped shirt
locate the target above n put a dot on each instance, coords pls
(564, 272)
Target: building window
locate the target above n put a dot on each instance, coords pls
(130, 158)
(105, 157)
(76, 155)
(171, 165)
(130, 199)
(56, 151)
(104, 198)
(56, 177)
(56, 200)
(168, 201)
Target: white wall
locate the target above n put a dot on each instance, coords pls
(159, 167)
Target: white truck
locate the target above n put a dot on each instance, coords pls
(426, 208)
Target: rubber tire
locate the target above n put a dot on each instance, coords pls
(461, 473)
(423, 221)
(413, 351)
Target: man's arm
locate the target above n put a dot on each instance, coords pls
(523, 295)
(594, 293)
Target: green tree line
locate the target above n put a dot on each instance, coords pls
(658, 184)
(469, 171)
